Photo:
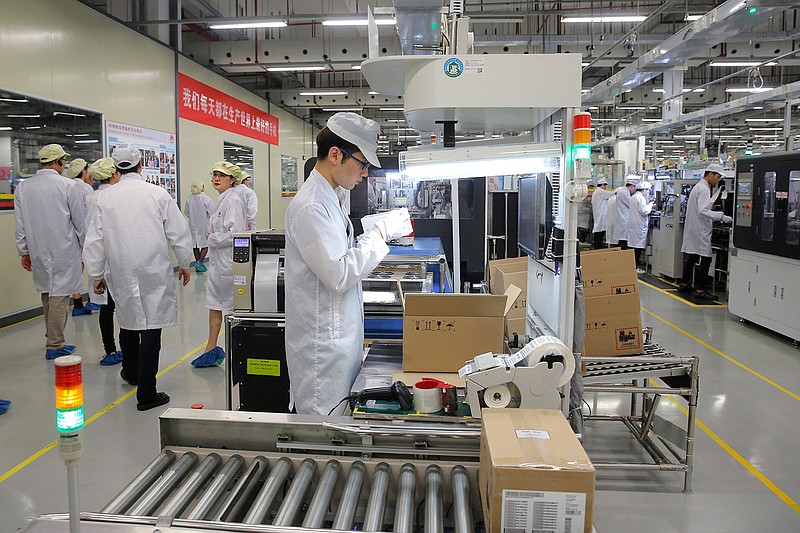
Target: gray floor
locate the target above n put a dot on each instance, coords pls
(748, 425)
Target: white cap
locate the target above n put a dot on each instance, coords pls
(358, 130)
(715, 167)
(643, 185)
(126, 156)
(602, 181)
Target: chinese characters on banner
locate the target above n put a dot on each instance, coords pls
(158, 152)
(200, 103)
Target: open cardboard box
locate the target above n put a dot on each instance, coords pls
(503, 273)
(443, 331)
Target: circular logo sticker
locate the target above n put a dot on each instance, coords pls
(453, 67)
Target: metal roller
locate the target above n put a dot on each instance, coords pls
(349, 500)
(136, 488)
(406, 498)
(263, 502)
(434, 506)
(376, 505)
(462, 512)
(159, 491)
(187, 491)
(294, 497)
(221, 482)
(315, 516)
(233, 505)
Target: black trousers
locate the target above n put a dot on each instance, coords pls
(638, 253)
(690, 262)
(140, 352)
(599, 237)
(106, 320)
(623, 244)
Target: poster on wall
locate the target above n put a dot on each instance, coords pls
(158, 152)
(288, 176)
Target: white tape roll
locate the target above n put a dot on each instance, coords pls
(497, 397)
(544, 345)
(427, 400)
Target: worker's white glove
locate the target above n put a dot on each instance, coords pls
(395, 224)
(726, 219)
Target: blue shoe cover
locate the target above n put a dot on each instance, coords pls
(91, 306)
(69, 348)
(81, 312)
(53, 354)
(213, 357)
(111, 359)
(4, 405)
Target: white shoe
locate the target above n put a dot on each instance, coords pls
(641, 271)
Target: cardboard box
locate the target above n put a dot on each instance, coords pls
(503, 273)
(515, 325)
(443, 331)
(534, 474)
(613, 325)
(609, 272)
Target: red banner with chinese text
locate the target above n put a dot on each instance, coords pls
(201, 103)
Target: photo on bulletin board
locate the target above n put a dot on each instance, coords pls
(289, 182)
(158, 152)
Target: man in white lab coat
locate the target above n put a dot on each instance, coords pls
(249, 198)
(638, 220)
(50, 217)
(324, 268)
(600, 198)
(78, 171)
(696, 246)
(623, 195)
(135, 225)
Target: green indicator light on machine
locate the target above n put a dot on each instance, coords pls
(433, 25)
(752, 10)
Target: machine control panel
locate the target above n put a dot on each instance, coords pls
(241, 249)
(744, 199)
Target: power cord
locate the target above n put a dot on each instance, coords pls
(351, 397)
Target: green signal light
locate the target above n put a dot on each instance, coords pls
(752, 10)
(434, 25)
(68, 420)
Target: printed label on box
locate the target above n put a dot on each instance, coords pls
(526, 511)
(623, 289)
(627, 338)
(532, 434)
(263, 367)
(240, 280)
(431, 324)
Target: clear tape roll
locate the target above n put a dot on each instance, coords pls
(544, 345)
(427, 400)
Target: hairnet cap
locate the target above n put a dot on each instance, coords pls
(102, 169)
(602, 181)
(51, 152)
(197, 187)
(76, 167)
(715, 167)
(229, 169)
(126, 156)
(643, 185)
(631, 181)
(358, 130)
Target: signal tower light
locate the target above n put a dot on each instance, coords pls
(582, 138)
(69, 422)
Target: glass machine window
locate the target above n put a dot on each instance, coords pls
(768, 207)
(793, 212)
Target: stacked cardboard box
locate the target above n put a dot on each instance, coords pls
(503, 273)
(613, 313)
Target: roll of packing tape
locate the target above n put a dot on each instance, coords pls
(546, 345)
(497, 397)
(428, 396)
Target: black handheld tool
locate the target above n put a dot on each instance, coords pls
(396, 392)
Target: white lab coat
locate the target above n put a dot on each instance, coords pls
(91, 206)
(250, 202)
(198, 208)
(600, 199)
(84, 187)
(638, 220)
(324, 303)
(50, 218)
(699, 221)
(611, 219)
(584, 213)
(623, 196)
(227, 219)
(135, 225)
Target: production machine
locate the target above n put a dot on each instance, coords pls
(667, 237)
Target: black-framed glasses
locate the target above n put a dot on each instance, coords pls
(364, 164)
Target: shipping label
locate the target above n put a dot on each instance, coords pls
(263, 367)
(627, 338)
(526, 511)
(240, 280)
(532, 434)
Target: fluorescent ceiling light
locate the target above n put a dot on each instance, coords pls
(651, 120)
(606, 18)
(767, 136)
(684, 90)
(76, 134)
(32, 128)
(692, 18)
(64, 113)
(766, 129)
(390, 108)
(763, 120)
(355, 67)
(336, 109)
(297, 69)
(17, 100)
(686, 136)
(372, 92)
(358, 22)
(497, 20)
(249, 25)
(747, 89)
(632, 107)
(323, 93)
(583, 91)
(23, 116)
(87, 141)
(729, 136)
(741, 64)
(5, 128)
(395, 120)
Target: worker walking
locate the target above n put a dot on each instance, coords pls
(135, 225)
(198, 209)
(639, 220)
(78, 171)
(700, 219)
(623, 195)
(228, 218)
(600, 198)
(324, 267)
(50, 217)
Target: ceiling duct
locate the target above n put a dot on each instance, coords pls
(419, 26)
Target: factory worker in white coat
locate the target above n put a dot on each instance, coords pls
(198, 209)
(623, 195)
(638, 220)
(50, 216)
(324, 268)
(249, 198)
(78, 171)
(600, 198)
(611, 221)
(135, 225)
(700, 218)
(228, 218)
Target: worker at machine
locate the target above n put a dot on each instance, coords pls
(324, 267)
(105, 172)
(78, 171)
(249, 199)
(623, 195)
(638, 220)
(600, 198)
(228, 218)
(136, 224)
(696, 246)
(198, 209)
(50, 216)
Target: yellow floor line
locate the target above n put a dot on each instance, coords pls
(97, 415)
(687, 302)
(725, 356)
(741, 460)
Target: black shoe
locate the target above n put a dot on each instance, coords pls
(685, 289)
(704, 295)
(128, 379)
(160, 398)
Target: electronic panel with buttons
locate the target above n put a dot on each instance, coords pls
(744, 200)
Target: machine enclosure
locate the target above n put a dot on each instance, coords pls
(534, 452)
(503, 273)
